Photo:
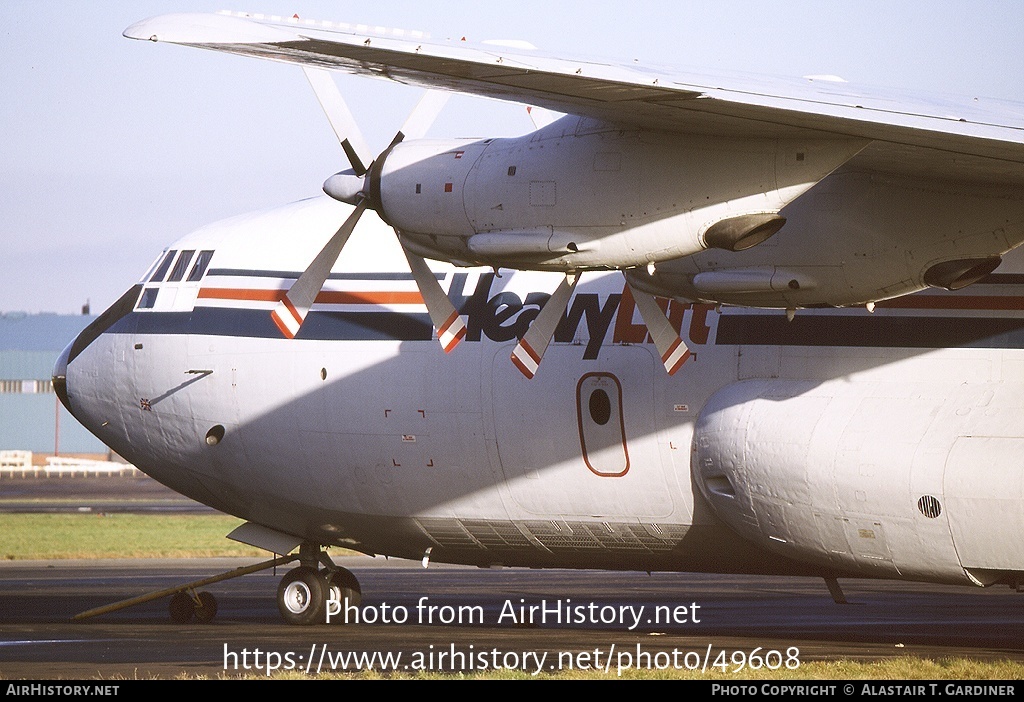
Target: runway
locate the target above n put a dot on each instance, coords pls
(109, 494)
(791, 620)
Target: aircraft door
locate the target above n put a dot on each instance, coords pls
(580, 444)
(602, 430)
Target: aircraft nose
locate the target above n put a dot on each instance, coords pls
(101, 324)
(60, 377)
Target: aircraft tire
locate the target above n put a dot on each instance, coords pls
(206, 608)
(343, 587)
(302, 596)
(181, 608)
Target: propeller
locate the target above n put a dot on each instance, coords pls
(291, 311)
(530, 350)
(352, 186)
(670, 345)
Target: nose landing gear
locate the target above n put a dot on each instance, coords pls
(187, 604)
(303, 597)
(306, 592)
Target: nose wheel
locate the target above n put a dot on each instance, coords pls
(302, 596)
(344, 588)
(186, 604)
(304, 592)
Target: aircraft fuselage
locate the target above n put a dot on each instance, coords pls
(843, 443)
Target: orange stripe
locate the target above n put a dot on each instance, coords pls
(281, 325)
(679, 363)
(455, 341)
(529, 350)
(671, 350)
(371, 298)
(522, 367)
(330, 298)
(448, 323)
(292, 311)
(237, 294)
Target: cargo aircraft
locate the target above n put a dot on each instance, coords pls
(670, 330)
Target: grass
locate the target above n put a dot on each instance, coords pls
(51, 536)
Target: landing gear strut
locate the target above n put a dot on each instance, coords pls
(302, 597)
(305, 592)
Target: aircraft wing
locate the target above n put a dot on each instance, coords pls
(982, 139)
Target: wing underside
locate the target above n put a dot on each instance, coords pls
(979, 140)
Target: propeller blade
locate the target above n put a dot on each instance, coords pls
(424, 114)
(530, 350)
(670, 345)
(291, 311)
(341, 119)
(449, 325)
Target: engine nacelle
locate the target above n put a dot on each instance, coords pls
(581, 194)
(856, 238)
(917, 480)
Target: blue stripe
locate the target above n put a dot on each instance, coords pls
(257, 324)
(871, 331)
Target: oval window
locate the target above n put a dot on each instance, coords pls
(600, 418)
(600, 407)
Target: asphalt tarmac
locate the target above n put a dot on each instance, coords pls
(448, 617)
(135, 494)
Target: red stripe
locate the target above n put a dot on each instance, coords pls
(236, 294)
(455, 341)
(522, 369)
(280, 325)
(671, 350)
(533, 354)
(448, 322)
(397, 297)
(380, 297)
(291, 308)
(682, 360)
(918, 302)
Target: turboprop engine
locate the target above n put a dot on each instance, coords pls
(580, 194)
(576, 195)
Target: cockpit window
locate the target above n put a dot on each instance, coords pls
(161, 271)
(148, 299)
(180, 266)
(200, 268)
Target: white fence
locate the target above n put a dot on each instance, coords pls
(19, 464)
(14, 463)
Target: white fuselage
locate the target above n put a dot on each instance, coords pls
(841, 443)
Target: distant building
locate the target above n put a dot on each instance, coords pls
(31, 416)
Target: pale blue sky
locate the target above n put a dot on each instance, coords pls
(113, 148)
